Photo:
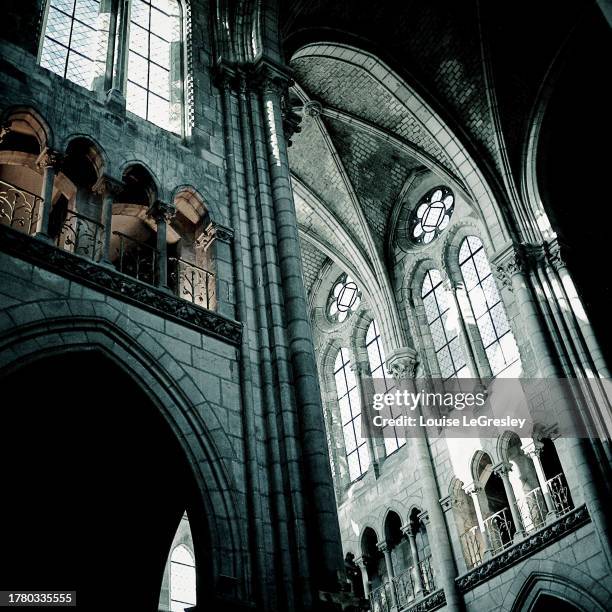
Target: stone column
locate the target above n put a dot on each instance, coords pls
(364, 576)
(502, 470)
(213, 253)
(401, 364)
(414, 553)
(533, 451)
(384, 548)
(116, 95)
(108, 188)
(473, 490)
(162, 213)
(324, 532)
(50, 162)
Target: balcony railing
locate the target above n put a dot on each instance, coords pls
(18, 208)
(81, 235)
(380, 598)
(191, 282)
(500, 530)
(471, 541)
(532, 509)
(136, 258)
(408, 587)
(560, 494)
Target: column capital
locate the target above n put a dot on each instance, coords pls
(472, 489)
(424, 517)
(214, 231)
(502, 469)
(50, 158)
(107, 185)
(402, 363)
(383, 547)
(408, 530)
(533, 448)
(161, 211)
(360, 367)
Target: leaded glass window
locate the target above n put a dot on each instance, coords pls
(443, 322)
(383, 383)
(432, 215)
(344, 299)
(349, 403)
(70, 40)
(182, 579)
(154, 36)
(487, 307)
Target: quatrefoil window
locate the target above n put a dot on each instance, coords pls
(432, 215)
(344, 299)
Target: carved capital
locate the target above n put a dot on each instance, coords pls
(510, 263)
(161, 211)
(402, 363)
(383, 547)
(50, 159)
(108, 186)
(214, 231)
(502, 468)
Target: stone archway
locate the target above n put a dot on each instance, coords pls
(98, 484)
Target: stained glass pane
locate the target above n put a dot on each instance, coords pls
(343, 300)
(75, 28)
(54, 57)
(58, 26)
(139, 40)
(87, 11)
(83, 39)
(487, 307)
(79, 70)
(140, 13)
(160, 52)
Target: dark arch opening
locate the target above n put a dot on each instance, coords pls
(545, 603)
(98, 483)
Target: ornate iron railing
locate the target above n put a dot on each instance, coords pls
(18, 208)
(471, 541)
(427, 576)
(532, 509)
(136, 258)
(559, 492)
(191, 282)
(500, 530)
(380, 598)
(81, 235)
(407, 587)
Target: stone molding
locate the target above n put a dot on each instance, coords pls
(116, 284)
(402, 363)
(523, 549)
(432, 602)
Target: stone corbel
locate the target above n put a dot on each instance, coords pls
(50, 158)
(402, 363)
(214, 231)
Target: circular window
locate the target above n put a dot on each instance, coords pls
(343, 299)
(432, 215)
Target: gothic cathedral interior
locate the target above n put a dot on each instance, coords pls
(228, 228)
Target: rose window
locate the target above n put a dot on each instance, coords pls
(432, 214)
(344, 299)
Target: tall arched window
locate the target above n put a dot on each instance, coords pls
(182, 579)
(70, 40)
(154, 87)
(443, 325)
(376, 357)
(487, 307)
(350, 412)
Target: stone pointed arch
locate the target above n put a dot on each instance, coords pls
(170, 390)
